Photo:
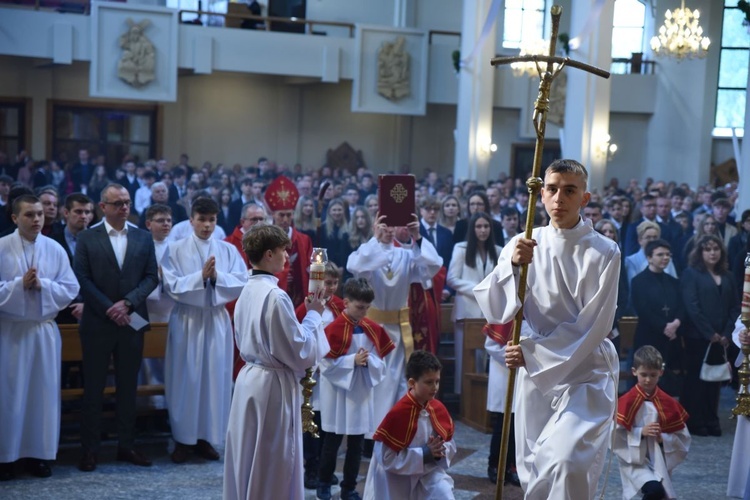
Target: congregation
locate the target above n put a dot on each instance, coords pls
(683, 251)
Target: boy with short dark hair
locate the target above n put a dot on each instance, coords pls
(414, 443)
(651, 437)
(202, 275)
(348, 373)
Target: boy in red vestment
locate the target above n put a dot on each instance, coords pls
(348, 373)
(651, 437)
(414, 443)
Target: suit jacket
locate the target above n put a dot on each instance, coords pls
(65, 316)
(444, 244)
(710, 309)
(103, 282)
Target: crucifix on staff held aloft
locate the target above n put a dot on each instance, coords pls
(548, 67)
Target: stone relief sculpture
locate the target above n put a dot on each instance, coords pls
(138, 62)
(394, 77)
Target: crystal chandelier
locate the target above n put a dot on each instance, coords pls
(531, 48)
(680, 36)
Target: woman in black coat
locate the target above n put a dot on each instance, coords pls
(712, 306)
(656, 298)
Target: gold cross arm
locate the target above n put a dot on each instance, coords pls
(563, 61)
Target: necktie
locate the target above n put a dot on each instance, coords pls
(432, 236)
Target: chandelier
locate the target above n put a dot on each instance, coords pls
(680, 36)
(531, 48)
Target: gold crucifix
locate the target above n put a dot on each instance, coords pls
(534, 185)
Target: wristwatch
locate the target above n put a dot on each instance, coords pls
(128, 304)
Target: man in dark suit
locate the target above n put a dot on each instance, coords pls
(82, 171)
(235, 207)
(77, 214)
(440, 236)
(116, 267)
(130, 181)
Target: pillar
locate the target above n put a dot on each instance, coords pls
(588, 96)
(475, 96)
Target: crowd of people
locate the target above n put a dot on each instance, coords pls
(173, 243)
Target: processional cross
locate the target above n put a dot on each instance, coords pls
(534, 185)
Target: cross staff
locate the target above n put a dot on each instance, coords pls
(534, 185)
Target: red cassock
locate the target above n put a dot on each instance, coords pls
(299, 269)
(398, 428)
(424, 312)
(236, 239)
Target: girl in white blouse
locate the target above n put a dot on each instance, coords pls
(472, 260)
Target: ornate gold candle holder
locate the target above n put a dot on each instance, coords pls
(743, 397)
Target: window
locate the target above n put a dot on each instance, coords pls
(733, 63)
(112, 131)
(524, 21)
(14, 126)
(627, 30)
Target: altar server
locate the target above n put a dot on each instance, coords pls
(36, 283)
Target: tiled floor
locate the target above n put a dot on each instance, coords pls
(702, 477)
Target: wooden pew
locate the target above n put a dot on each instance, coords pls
(154, 346)
(475, 379)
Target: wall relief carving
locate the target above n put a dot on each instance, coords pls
(138, 62)
(394, 76)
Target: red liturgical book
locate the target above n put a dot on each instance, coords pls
(396, 198)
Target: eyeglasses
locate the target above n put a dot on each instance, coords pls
(254, 219)
(162, 221)
(118, 204)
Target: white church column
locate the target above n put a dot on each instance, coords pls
(475, 96)
(743, 166)
(588, 96)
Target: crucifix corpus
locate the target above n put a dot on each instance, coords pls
(553, 65)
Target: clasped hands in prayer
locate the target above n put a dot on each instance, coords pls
(652, 430)
(360, 359)
(435, 445)
(209, 269)
(31, 280)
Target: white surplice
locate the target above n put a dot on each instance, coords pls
(263, 455)
(738, 465)
(30, 346)
(497, 386)
(404, 475)
(642, 459)
(374, 261)
(346, 390)
(198, 362)
(159, 305)
(567, 390)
